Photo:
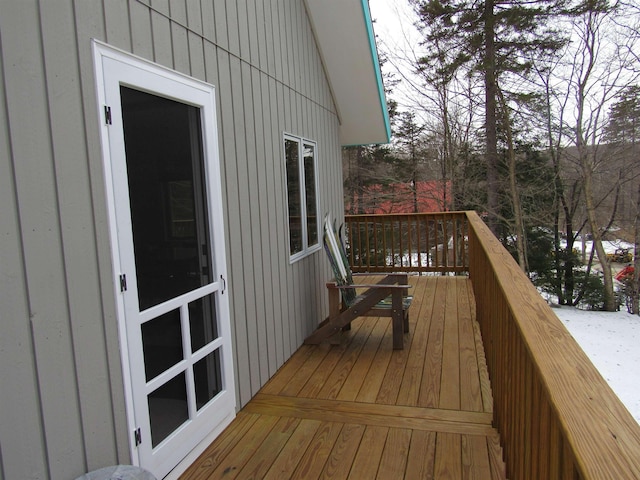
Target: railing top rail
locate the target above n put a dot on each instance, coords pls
(419, 214)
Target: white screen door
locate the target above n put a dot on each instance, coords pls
(159, 141)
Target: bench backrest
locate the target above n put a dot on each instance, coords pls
(334, 247)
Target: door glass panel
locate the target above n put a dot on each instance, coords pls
(166, 195)
(162, 343)
(207, 378)
(202, 318)
(168, 408)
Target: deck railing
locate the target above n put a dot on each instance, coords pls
(418, 242)
(557, 416)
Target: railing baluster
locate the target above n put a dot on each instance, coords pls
(437, 230)
(419, 243)
(427, 225)
(393, 243)
(445, 241)
(456, 240)
(382, 242)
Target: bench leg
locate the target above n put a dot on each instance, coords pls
(335, 305)
(334, 300)
(397, 321)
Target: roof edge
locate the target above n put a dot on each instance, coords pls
(375, 58)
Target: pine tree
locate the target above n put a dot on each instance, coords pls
(624, 117)
(494, 39)
(409, 136)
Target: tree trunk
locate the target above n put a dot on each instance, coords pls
(559, 198)
(351, 182)
(490, 117)
(609, 296)
(513, 186)
(635, 284)
(414, 174)
(359, 181)
(447, 155)
(569, 278)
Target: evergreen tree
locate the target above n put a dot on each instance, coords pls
(364, 166)
(624, 117)
(495, 40)
(409, 142)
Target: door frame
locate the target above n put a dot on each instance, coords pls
(102, 52)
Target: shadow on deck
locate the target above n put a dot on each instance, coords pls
(358, 409)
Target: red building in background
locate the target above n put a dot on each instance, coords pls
(428, 196)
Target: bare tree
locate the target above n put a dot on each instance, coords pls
(513, 183)
(446, 102)
(602, 64)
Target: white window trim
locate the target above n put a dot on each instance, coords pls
(306, 250)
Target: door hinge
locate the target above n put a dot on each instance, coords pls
(137, 435)
(123, 282)
(107, 114)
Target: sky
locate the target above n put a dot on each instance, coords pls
(396, 35)
(399, 39)
(391, 17)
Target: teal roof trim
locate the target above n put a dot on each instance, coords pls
(376, 66)
(346, 43)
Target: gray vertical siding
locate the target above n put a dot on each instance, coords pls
(61, 388)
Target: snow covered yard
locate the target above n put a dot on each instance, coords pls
(611, 340)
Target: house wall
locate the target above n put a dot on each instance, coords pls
(62, 406)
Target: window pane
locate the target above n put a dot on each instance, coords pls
(162, 343)
(202, 319)
(168, 408)
(208, 378)
(166, 192)
(293, 190)
(310, 194)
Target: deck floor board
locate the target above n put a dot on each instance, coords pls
(354, 408)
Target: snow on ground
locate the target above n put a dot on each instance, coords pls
(609, 245)
(610, 340)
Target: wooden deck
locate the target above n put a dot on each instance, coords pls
(358, 409)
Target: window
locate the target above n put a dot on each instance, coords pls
(300, 158)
